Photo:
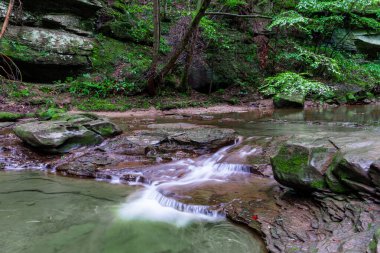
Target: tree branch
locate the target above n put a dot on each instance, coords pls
(7, 16)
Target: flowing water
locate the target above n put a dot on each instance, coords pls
(42, 212)
(47, 213)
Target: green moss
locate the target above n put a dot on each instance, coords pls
(332, 182)
(97, 104)
(132, 59)
(15, 50)
(291, 161)
(318, 184)
(10, 116)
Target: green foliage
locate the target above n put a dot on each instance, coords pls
(357, 71)
(86, 86)
(50, 113)
(324, 16)
(101, 104)
(20, 93)
(216, 34)
(289, 19)
(289, 83)
(234, 3)
(313, 63)
(132, 20)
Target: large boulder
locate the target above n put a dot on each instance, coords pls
(292, 101)
(66, 132)
(341, 163)
(359, 151)
(47, 54)
(302, 164)
(358, 41)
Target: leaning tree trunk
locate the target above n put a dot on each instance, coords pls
(156, 80)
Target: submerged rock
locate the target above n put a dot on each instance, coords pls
(66, 132)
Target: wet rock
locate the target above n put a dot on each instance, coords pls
(146, 148)
(359, 152)
(66, 132)
(285, 101)
(374, 173)
(134, 178)
(302, 165)
(339, 163)
(321, 223)
(189, 134)
(255, 153)
(85, 166)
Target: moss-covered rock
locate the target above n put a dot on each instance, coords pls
(285, 101)
(65, 133)
(10, 116)
(301, 164)
(46, 54)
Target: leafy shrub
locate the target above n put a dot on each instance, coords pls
(312, 62)
(86, 86)
(289, 83)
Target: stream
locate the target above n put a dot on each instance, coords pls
(179, 210)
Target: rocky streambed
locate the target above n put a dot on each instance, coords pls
(305, 181)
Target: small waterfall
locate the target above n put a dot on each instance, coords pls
(151, 204)
(196, 209)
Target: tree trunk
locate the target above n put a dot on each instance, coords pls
(156, 45)
(7, 16)
(156, 80)
(188, 61)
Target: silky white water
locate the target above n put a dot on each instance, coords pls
(150, 204)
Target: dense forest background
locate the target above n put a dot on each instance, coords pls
(112, 54)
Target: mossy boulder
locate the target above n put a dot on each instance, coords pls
(341, 164)
(47, 54)
(303, 165)
(10, 116)
(66, 132)
(289, 101)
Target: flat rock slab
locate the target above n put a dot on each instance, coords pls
(65, 133)
(161, 143)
